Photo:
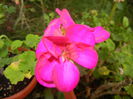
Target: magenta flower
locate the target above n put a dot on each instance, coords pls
(64, 44)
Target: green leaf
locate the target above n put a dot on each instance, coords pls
(111, 58)
(103, 70)
(117, 97)
(1, 44)
(120, 57)
(2, 15)
(6, 40)
(16, 44)
(125, 22)
(129, 90)
(128, 66)
(52, 14)
(96, 73)
(28, 62)
(22, 67)
(121, 97)
(48, 94)
(32, 9)
(5, 61)
(11, 9)
(3, 52)
(110, 44)
(13, 74)
(46, 17)
(127, 49)
(119, 77)
(120, 6)
(118, 37)
(32, 40)
(103, 53)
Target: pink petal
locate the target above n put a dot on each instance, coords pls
(51, 47)
(65, 18)
(59, 40)
(55, 44)
(80, 33)
(53, 28)
(43, 71)
(58, 11)
(100, 34)
(83, 55)
(41, 49)
(66, 76)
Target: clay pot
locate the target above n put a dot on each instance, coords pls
(70, 95)
(24, 92)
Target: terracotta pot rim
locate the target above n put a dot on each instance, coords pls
(24, 92)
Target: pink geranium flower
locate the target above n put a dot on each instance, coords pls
(64, 44)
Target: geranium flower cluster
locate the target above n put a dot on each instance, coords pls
(63, 44)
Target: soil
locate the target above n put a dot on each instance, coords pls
(8, 89)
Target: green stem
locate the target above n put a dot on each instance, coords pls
(113, 11)
(20, 14)
(22, 18)
(42, 6)
(43, 11)
(4, 36)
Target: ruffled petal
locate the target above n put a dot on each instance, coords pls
(41, 49)
(80, 33)
(66, 76)
(83, 55)
(43, 71)
(51, 47)
(65, 17)
(53, 28)
(100, 34)
(55, 44)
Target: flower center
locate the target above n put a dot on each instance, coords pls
(65, 55)
(63, 31)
